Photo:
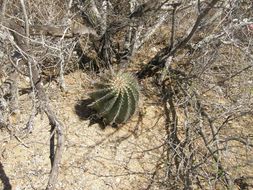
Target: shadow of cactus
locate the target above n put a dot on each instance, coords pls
(4, 179)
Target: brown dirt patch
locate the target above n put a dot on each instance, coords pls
(94, 157)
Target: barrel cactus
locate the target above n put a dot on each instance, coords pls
(115, 97)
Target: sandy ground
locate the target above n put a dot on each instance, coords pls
(94, 157)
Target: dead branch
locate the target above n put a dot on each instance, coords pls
(56, 125)
(27, 31)
(3, 9)
(244, 141)
(196, 141)
(140, 41)
(73, 30)
(158, 61)
(175, 148)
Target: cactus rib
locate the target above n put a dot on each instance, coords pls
(116, 97)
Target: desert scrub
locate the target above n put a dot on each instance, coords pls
(116, 97)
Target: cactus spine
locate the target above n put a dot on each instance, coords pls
(116, 97)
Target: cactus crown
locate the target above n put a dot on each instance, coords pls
(116, 97)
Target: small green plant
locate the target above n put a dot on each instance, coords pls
(116, 97)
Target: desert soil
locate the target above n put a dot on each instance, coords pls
(94, 157)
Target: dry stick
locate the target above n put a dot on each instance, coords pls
(158, 62)
(104, 11)
(195, 27)
(188, 142)
(229, 78)
(56, 125)
(215, 155)
(198, 6)
(61, 77)
(128, 37)
(3, 10)
(238, 139)
(215, 158)
(173, 141)
(172, 28)
(150, 32)
(9, 85)
(140, 40)
(69, 7)
(170, 113)
(95, 11)
(29, 125)
(169, 59)
(26, 22)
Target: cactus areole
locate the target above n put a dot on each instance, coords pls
(116, 97)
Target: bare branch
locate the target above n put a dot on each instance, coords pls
(158, 61)
(26, 22)
(3, 9)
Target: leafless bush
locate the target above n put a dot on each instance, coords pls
(201, 64)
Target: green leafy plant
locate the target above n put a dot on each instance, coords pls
(116, 97)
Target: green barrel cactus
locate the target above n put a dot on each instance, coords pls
(116, 97)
